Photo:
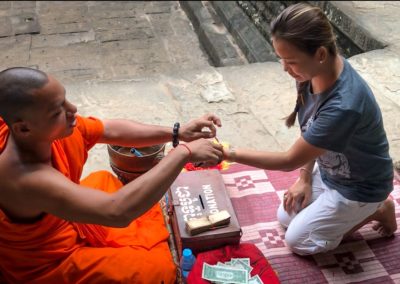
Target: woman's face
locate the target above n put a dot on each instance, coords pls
(300, 65)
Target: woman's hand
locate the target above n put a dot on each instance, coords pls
(194, 129)
(297, 197)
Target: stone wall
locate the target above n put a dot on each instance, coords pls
(351, 38)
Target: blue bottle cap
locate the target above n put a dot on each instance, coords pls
(187, 252)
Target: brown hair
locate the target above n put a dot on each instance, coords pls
(307, 28)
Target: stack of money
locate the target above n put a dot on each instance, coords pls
(237, 270)
(196, 226)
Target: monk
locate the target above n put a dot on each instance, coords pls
(55, 228)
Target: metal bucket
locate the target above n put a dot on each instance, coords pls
(128, 166)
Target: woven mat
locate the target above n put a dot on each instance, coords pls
(364, 258)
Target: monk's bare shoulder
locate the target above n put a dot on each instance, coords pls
(27, 191)
(17, 184)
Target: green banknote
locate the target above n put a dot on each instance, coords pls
(242, 265)
(245, 260)
(224, 274)
(255, 280)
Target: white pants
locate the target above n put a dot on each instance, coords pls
(321, 225)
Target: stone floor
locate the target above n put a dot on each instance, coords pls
(142, 60)
(107, 40)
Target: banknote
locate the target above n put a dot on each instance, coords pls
(255, 280)
(224, 274)
(240, 264)
(244, 259)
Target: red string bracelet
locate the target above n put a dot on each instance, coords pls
(187, 147)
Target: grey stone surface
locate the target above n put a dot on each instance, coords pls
(23, 4)
(216, 41)
(64, 28)
(379, 18)
(361, 37)
(352, 39)
(58, 40)
(219, 48)
(5, 27)
(86, 40)
(251, 41)
(15, 50)
(26, 23)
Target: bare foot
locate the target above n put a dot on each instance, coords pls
(387, 224)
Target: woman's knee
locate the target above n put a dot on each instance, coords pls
(296, 244)
(303, 242)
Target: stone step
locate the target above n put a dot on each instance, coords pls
(215, 39)
(250, 40)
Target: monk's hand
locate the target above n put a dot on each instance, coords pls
(297, 197)
(205, 151)
(203, 127)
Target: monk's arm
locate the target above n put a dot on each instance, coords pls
(298, 155)
(49, 191)
(132, 133)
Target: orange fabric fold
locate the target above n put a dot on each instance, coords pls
(53, 250)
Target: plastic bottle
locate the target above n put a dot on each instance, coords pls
(187, 261)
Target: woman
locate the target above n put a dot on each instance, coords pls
(341, 130)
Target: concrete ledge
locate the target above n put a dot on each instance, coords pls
(250, 40)
(359, 36)
(352, 39)
(217, 44)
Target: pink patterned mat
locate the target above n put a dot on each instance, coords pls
(364, 258)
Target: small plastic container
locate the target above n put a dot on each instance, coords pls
(187, 261)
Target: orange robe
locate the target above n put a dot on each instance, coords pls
(53, 250)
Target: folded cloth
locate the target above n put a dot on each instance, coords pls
(260, 264)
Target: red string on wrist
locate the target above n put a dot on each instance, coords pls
(187, 147)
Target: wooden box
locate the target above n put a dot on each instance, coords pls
(195, 194)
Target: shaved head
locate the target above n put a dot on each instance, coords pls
(16, 87)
